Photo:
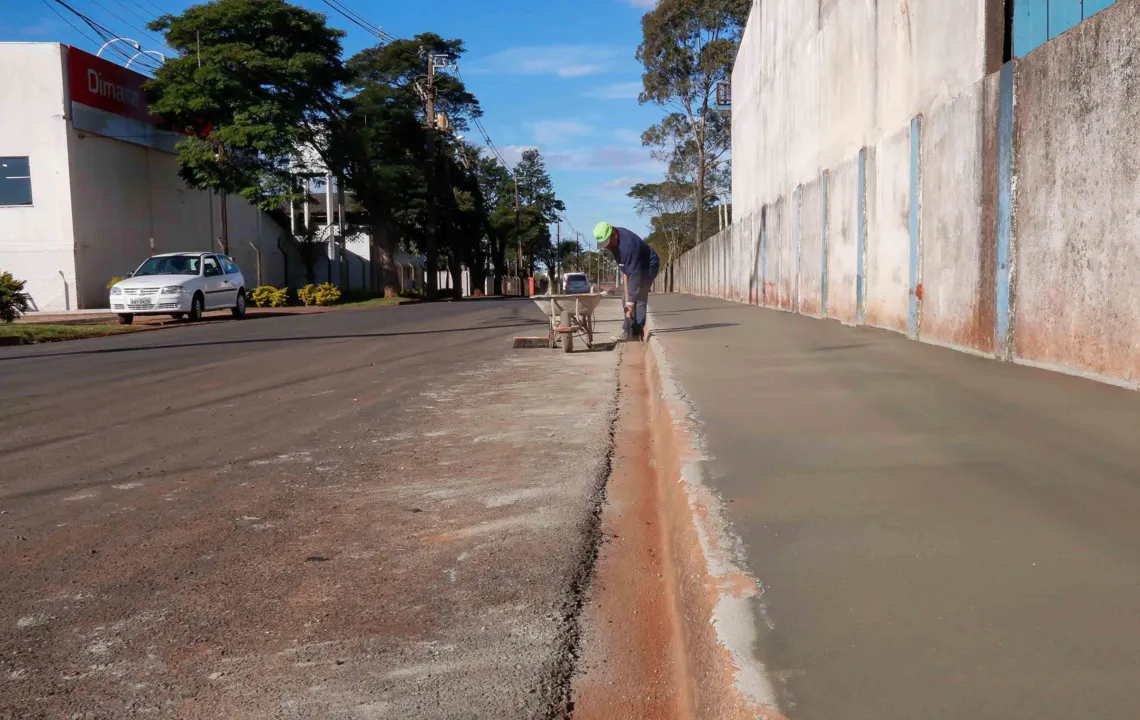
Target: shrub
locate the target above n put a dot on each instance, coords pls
(269, 296)
(14, 302)
(324, 294)
(117, 278)
(327, 294)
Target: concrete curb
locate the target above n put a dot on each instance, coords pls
(718, 597)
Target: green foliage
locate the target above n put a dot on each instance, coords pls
(324, 294)
(327, 294)
(254, 81)
(269, 296)
(687, 48)
(382, 145)
(114, 280)
(308, 295)
(536, 189)
(14, 302)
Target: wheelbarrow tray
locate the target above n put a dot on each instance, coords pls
(580, 304)
(569, 315)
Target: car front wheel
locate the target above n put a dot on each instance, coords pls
(126, 319)
(196, 306)
(239, 308)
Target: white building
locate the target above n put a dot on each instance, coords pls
(89, 185)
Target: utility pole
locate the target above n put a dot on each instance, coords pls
(518, 238)
(430, 243)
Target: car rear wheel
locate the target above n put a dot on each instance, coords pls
(239, 308)
(196, 306)
(126, 319)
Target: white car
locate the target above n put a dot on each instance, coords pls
(180, 285)
(575, 283)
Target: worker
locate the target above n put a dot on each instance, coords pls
(639, 263)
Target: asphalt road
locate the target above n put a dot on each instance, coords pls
(938, 535)
(360, 514)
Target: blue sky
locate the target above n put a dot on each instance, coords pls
(559, 75)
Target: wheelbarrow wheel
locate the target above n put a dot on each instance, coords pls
(567, 334)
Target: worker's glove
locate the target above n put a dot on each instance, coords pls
(629, 309)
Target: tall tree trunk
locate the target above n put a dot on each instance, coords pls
(499, 260)
(386, 256)
(700, 192)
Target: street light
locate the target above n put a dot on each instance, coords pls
(112, 41)
(146, 52)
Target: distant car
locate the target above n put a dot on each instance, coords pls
(574, 283)
(180, 285)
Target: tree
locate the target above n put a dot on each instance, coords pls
(379, 145)
(250, 78)
(687, 48)
(536, 190)
(496, 192)
(14, 302)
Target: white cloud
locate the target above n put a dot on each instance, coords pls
(554, 131)
(566, 61)
(618, 91)
(511, 154)
(623, 182)
(605, 158)
(631, 137)
(647, 4)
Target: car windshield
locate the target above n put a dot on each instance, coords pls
(170, 265)
(575, 278)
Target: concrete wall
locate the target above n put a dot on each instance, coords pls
(1002, 216)
(36, 243)
(1077, 208)
(811, 248)
(125, 195)
(843, 248)
(888, 254)
(816, 81)
(957, 241)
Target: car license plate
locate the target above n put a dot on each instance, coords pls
(138, 304)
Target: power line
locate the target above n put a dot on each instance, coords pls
(145, 20)
(73, 26)
(144, 33)
(483, 131)
(107, 35)
(360, 21)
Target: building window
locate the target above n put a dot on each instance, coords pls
(1035, 22)
(15, 181)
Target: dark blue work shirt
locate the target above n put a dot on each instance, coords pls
(639, 262)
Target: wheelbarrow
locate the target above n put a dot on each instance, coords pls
(569, 316)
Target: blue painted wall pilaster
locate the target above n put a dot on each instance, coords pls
(915, 307)
(823, 247)
(799, 246)
(1003, 349)
(861, 240)
(764, 255)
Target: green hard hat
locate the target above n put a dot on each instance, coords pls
(602, 232)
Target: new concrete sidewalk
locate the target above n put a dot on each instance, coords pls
(938, 535)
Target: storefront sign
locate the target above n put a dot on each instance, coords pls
(103, 85)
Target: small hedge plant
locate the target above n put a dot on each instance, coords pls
(324, 294)
(114, 280)
(269, 296)
(14, 302)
